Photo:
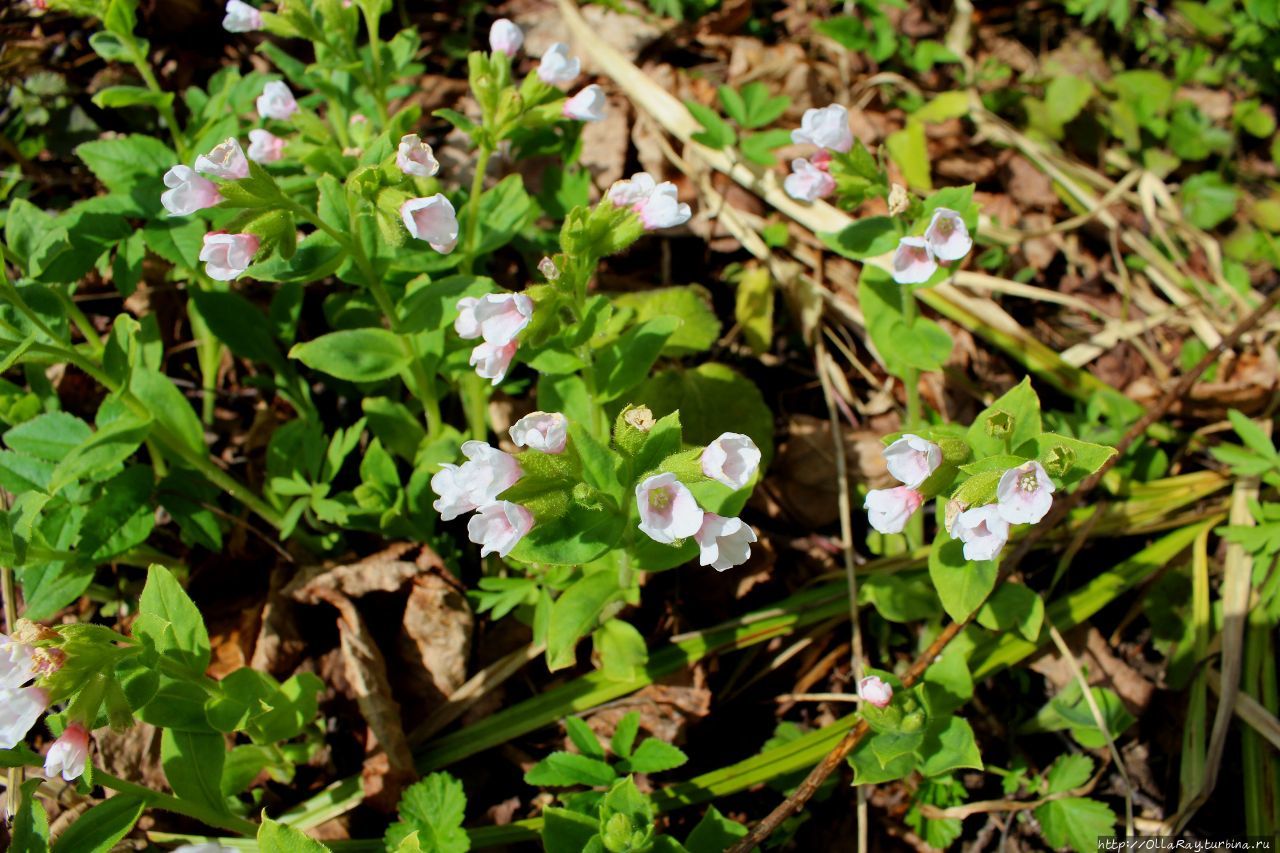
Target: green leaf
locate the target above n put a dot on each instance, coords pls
(1067, 459)
(948, 105)
(623, 364)
(170, 622)
(1022, 405)
(98, 829)
(760, 106)
(579, 536)
(1014, 607)
(30, 830)
(356, 355)
(583, 738)
(949, 745)
(901, 596)
(716, 132)
(128, 164)
(624, 735)
(104, 451)
(193, 767)
(24, 225)
(622, 650)
(760, 147)
(1069, 772)
(434, 809)
(599, 463)
(753, 308)
(961, 584)
(654, 756)
(888, 747)
(115, 97)
(562, 769)
(574, 614)
(121, 517)
(712, 399)
(276, 837)
(1208, 200)
(50, 436)
(1075, 821)
(907, 148)
(923, 345)
(699, 328)
(1066, 96)
(564, 831)
(715, 833)
(168, 407)
(1253, 436)
(867, 768)
(865, 238)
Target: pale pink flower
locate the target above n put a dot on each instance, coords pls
(587, 105)
(467, 325)
(911, 459)
(632, 192)
(492, 361)
(497, 528)
(487, 473)
(225, 162)
(276, 101)
(557, 68)
(17, 663)
(188, 192)
(723, 542)
(501, 316)
(265, 146)
(875, 692)
(1024, 494)
(241, 18)
(947, 235)
(668, 510)
(663, 209)
(227, 256)
(415, 157)
(913, 262)
(69, 754)
(732, 459)
(982, 531)
(826, 128)
(822, 159)
(505, 37)
(808, 182)
(889, 509)
(19, 710)
(544, 431)
(432, 219)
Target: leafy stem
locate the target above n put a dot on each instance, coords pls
(911, 375)
(377, 88)
(169, 803)
(473, 206)
(165, 102)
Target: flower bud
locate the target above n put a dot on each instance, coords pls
(875, 691)
(241, 18)
(827, 127)
(587, 105)
(227, 256)
(505, 37)
(276, 101)
(265, 146)
(69, 754)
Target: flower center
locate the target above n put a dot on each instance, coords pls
(659, 499)
(1028, 482)
(946, 227)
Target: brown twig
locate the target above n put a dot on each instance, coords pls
(819, 774)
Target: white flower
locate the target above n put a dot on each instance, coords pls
(432, 219)
(69, 754)
(225, 162)
(1024, 494)
(487, 473)
(492, 361)
(732, 459)
(826, 128)
(889, 509)
(947, 235)
(632, 192)
(911, 459)
(668, 510)
(227, 256)
(188, 192)
(265, 146)
(415, 157)
(496, 317)
(808, 182)
(556, 68)
(497, 528)
(545, 431)
(587, 105)
(913, 262)
(662, 209)
(875, 691)
(241, 18)
(17, 663)
(723, 542)
(19, 710)
(549, 270)
(505, 37)
(982, 531)
(276, 101)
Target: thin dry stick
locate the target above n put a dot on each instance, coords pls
(805, 791)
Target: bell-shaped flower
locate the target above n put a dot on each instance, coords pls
(982, 530)
(632, 192)
(498, 316)
(875, 691)
(911, 459)
(889, 509)
(497, 528)
(19, 710)
(668, 510)
(808, 182)
(415, 157)
(662, 209)
(587, 105)
(17, 663)
(487, 473)
(947, 235)
(1024, 494)
(226, 162)
(913, 262)
(723, 542)
(505, 37)
(732, 459)
(227, 256)
(265, 146)
(188, 192)
(557, 68)
(241, 18)
(544, 431)
(69, 754)
(433, 220)
(826, 128)
(492, 361)
(276, 101)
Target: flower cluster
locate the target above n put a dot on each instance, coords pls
(495, 319)
(22, 701)
(827, 128)
(555, 68)
(669, 512)
(655, 203)
(946, 239)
